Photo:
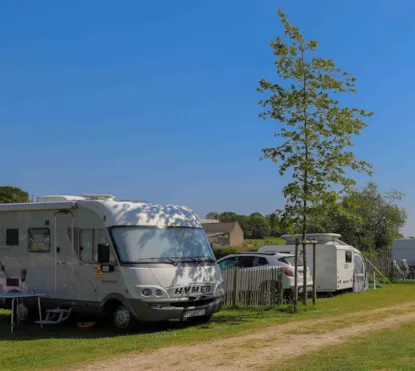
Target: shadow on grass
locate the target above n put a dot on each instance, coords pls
(26, 331)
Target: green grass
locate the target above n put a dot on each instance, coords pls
(32, 348)
(390, 349)
(265, 241)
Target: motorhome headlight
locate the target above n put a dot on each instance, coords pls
(158, 292)
(146, 292)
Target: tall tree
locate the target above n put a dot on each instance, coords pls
(260, 226)
(228, 216)
(10, 194)
(316, 131)
(371, 220)
(246, 225)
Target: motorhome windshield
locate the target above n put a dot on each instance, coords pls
(138, 244)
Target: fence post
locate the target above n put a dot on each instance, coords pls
(280, 275)
(305, 292)
(295, 299)
(314, 273)
(235, 286)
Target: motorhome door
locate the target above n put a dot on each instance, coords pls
(64, 256)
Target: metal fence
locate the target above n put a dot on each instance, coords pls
(253, 287)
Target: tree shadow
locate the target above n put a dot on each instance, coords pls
(178, 240)
(27, 332)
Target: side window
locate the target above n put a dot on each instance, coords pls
(229, 263)
(348, 256)
(88, 244)
(260, 261)
(246, 262)
(38, 240)
(12, 237)
(86, 252)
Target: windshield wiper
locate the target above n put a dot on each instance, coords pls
(205, 258)
(171, 261)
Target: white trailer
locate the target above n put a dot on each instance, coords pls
(338, 266)
(130, 261)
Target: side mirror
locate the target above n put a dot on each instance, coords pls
(103, 253)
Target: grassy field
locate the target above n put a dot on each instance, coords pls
(265, 241)
(58, 346)
(383, 350)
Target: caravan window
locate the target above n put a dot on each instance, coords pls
(88, 243)
(348, 256)
(12, 237)
(38, 240)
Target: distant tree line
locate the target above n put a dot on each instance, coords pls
(366, 218)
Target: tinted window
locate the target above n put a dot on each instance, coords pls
(348, 256)
(229, 263)
(246, 262)
(12, 237)
(259, 261)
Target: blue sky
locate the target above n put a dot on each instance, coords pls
(157, 100)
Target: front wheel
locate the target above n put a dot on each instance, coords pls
(124, 321)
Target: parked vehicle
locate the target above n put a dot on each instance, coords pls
(338, 265)
(126, 260)
(252, 260)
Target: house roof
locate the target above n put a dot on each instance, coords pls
(223, 227)
(210, 235)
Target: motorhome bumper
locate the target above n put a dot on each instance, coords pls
(149, 311)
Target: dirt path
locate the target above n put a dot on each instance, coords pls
(257, 349)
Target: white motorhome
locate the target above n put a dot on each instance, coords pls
(130, 261)
(338, 265)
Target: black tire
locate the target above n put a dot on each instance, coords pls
(200, 319)
(123, 320)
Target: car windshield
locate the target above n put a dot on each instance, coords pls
(291, 260)
(137, 244)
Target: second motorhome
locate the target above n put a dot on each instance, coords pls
(130, 261)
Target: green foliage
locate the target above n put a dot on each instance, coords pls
(220, 252)
(366, 219)
(260, 226)
(10, 194)
(246, 225)
(315, 130)
(266, 241)
(228, 216)
(255, 225)
(212, 215)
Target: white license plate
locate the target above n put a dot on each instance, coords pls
(194, 313)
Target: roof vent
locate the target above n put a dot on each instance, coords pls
(98, 197)
(58, 198)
